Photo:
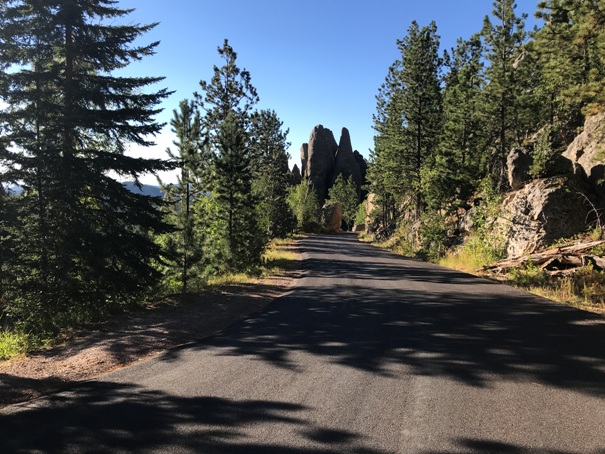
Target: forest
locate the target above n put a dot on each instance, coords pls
(76, 244)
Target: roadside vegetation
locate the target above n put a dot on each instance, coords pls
(76, 245)
(445, 124)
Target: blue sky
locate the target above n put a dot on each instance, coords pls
(312, 61)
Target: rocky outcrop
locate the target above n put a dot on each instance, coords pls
(587, 153)
(295, 176)
(345, 162)
(318, 159)
(323, 160)
(332, 216)
(518, 164)
(543, 211)
(304, 159)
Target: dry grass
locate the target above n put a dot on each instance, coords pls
(278, 257)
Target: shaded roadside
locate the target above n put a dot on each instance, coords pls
(106, 347)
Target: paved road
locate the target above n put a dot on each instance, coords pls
(369, 353)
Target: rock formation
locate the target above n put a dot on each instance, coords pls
(587, 154)
(318, 159)
(295, 176)
(323, 160)
(540, 213)
(561, 203)
(345, 162)
(518, 164)
(332, 216)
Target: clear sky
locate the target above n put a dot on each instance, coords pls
(312, 61)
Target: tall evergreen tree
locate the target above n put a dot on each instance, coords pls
(229, 91)
(81, 235)
(504, 42)
(184, 247)
(407, 123)
(571, 48)
(271, 173)
(233, 191)
(227, 100)
(387, 157)
(420, 103)
(464, 141)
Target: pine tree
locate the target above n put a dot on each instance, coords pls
(81, 237)
(464, 142)
(387, 158)
(271, 173)
(227, 100)
(229, 91)
(504, 42)
(418, 104)
(184, 247)
(571, 48)
(233, 192)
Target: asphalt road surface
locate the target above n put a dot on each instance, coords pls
(370, 353)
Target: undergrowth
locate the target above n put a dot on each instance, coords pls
(277, 258)
(584, 289)
(13, 343)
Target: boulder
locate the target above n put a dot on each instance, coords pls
(540, 213)
(332, 216)
(345, 162)
(586, 154)
(317, 158)
(370, 206)
(518, 163)
(558, 165)
(359, 228)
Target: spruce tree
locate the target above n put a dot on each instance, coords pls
(387, 159)
(82, 239)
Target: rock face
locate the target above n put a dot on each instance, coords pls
(332, 216)
(543, 211)
(318, 159)
(295, 176)
(518, 163)
(323, 160)
(345, 162)
(586, 153)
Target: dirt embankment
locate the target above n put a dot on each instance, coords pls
(161, 326)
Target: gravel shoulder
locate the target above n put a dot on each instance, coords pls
(145, 333)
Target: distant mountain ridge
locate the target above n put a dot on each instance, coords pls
(145, 189)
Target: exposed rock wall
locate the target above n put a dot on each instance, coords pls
(323, 160)
(587, 154)
(539, 211)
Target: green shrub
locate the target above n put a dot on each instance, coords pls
(13, 344)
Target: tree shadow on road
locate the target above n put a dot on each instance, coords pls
(110, 417)
(458, 326)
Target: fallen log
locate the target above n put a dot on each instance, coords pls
(556, 259)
